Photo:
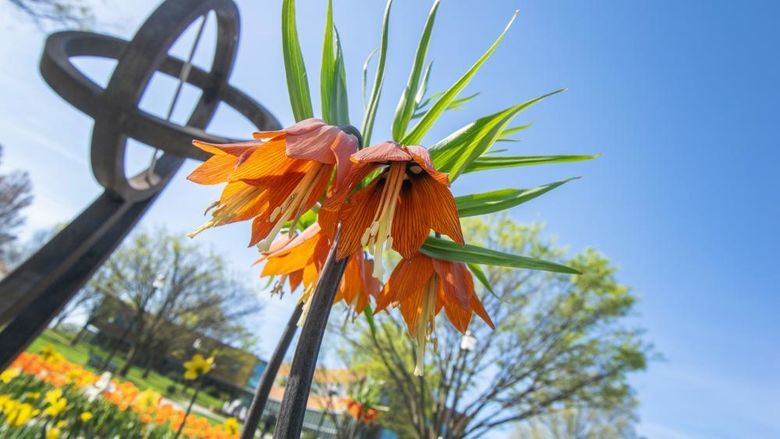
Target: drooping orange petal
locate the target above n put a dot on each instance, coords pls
(235, 149)
(410, 223)
(368, 285)
(351, 286)
(356, 216)
(409, 278)
(476, 305)
(328, 216)
(452, 277)
(268, 160)
(283, 246)
(246, 200)
(215, 170)
(318, 188)
(372, 284)
(383, 152)
(420, 155)
(268, 134)
(304, 126)
(342, 147)
(312, 142)
(456, 313)
(442, 211)
(294, 260)
(310, 275)
(295, 278)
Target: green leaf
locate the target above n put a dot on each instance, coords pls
(510, 131)
(496, 201)
(328, 65)
(370, 319)
(471, 254)
(458, 150)
(496, 162)
(297, 81)
(456, 105)
(444, 101)
(339, 101)
(405, 108)
(480, 275)
(420, 96)
(376, 91)
(366, 63)
(333, 87)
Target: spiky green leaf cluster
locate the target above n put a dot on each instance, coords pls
(467, 150)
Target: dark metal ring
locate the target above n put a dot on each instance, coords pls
(115, 108)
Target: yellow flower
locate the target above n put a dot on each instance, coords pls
(62, 424)
(56, 403)
(85, 417)
(147, 401)
(53, 433)
(32, 395)
(50, 355)
(17, 414)
(231, 426)
(197, 366)
(52, 396)
(9, 374)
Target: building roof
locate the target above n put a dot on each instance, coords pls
(325, 375)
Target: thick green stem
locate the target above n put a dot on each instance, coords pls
(296, 394)
(189, 407)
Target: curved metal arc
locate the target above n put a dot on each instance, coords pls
(86, 95)
(33, 294)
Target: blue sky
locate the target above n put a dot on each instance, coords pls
(679, 97)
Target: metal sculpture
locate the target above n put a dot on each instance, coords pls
(36, 291)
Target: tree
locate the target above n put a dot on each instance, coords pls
(68, 13)
(175, 289)
(15, 195)
(559, 340)
(583, 422)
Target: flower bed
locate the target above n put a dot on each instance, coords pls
(44, 395)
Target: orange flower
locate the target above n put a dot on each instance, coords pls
(422, 286)
(275, 178)
(400, 207)
(301, 260)
(360, 413)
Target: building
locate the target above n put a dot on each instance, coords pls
(235, 370)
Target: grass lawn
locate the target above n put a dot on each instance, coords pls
(79, 354)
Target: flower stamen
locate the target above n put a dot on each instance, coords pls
(425, 324)
(377, 235)
(292, 207)
(223, 213)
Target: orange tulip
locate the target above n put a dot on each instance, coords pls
(421, 286)
(275, 178)
(301, 260)
(399, 208)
